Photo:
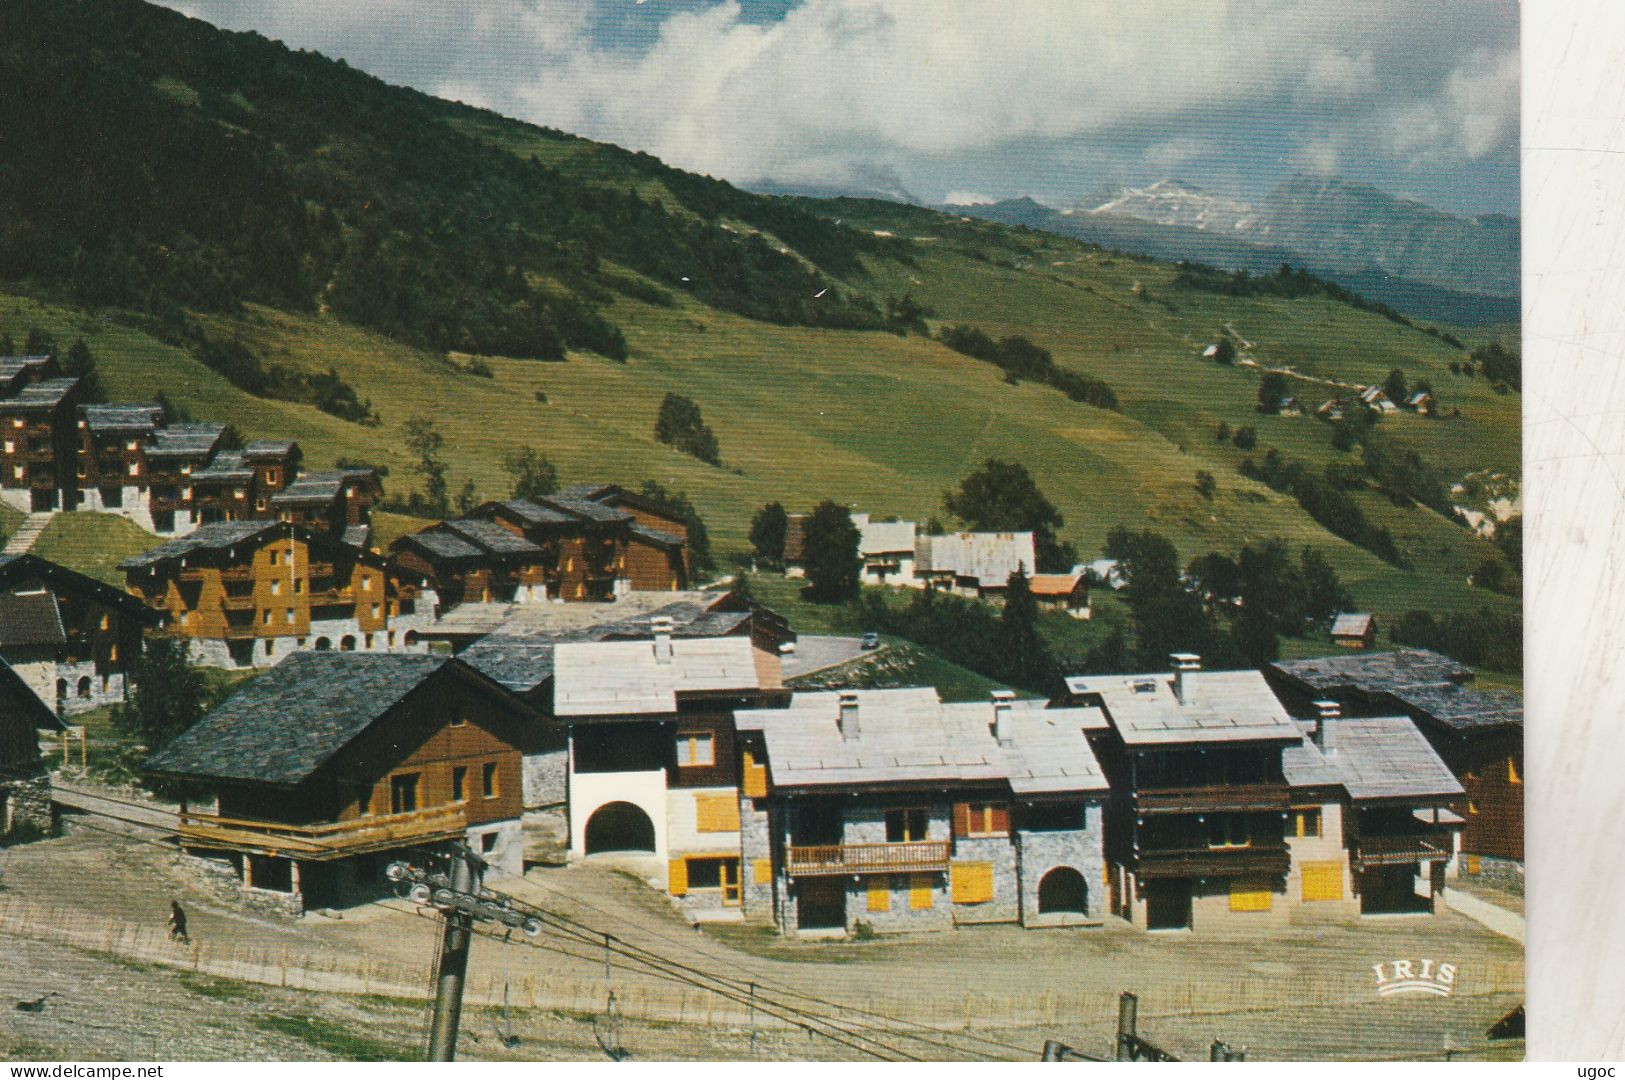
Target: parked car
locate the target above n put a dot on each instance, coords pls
(871, 640)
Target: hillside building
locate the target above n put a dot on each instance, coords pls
(25, 781)
(38, 465)
(251, 593)
(1062, 592)
(892, 810)
(329, 767)
(897, 553)
(70, 638)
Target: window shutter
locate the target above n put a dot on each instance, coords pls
(677, 876)
(1322, 881)
(1001, 817)
(762, 871)
(919, 892)
(961, 819)
(716, 813)
(755, 777)
(1250, 896)
(879, 893)
(971, 883)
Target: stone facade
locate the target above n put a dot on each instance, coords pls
(501, 844)
(544, 777)
(756, 860)
(223, 876)
(27, 803)
(1044, 851)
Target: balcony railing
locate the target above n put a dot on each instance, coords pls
(1260, 859)
(1260, 798)
(1400, 849)
(336, 840)
(918, 856)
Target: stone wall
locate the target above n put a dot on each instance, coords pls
(1081, 849)
(756, 850)
(544, 779)
(222, 876)
(1000, 852)
(27, 803)
(865, 823)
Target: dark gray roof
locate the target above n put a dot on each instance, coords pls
(492, 537)
(441, 544)
(32, 570)
(658, 537)
(277, 448)
(12, 366)
(312, 487)
(217, 537)
(286, 724)
(30, 618)
(45, 394)
(535, 514)
(1419, 681)
(1371, 758)
(592, 492)
(133, 416)
(185, 440)
(585, 509)
(356, 535)
(226, 466)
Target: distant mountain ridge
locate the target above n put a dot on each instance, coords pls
(1413, 257)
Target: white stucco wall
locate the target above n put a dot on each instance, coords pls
(645, 790)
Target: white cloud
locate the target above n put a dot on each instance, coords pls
(968, 198)
(1473, 112)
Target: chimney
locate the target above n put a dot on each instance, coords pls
(1001, 716)
(849, 715)
(1324, 711)
(661, 625)
(1186, 665)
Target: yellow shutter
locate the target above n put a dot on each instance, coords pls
(919, 891)
(677, 877)
(716, 813)
(1249, 896)
(762, 871)
(755, 777)
(1322, 881)
(971, 882)
(879, 893)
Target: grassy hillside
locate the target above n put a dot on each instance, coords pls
(803, 410)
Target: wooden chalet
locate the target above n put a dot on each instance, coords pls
(474, 560)
(70, 638)
(238, 485)
(175, 453)
(38, 459)
(973, 564)
(891, 809)
(337, 502)
(249, 593)
(1477, 733)
(1062, 592)
(328, 767)
(113, 475)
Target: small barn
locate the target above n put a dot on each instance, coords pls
(1354, 630)
(1063, 592)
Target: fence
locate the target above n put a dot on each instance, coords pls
(644, 997)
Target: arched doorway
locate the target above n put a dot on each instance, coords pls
(619, 826)
(347, 643)
(1063, 890)
(84, 686)
(323, 644)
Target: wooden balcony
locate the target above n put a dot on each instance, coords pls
(336, 840)
(1261, 798)
(825, 859)
(1400, 849)
(1265, 860)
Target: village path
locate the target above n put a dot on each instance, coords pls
(1508, 924)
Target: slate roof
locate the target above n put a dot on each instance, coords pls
(1220, 706)
(657, 537)
(1372, 758)
(989, 558)
(442, 544)
(127, 416)
(492, 537)
(910, 737)
(269, 448)
(228, 466)
(12, 366)
(1418, 681)
(626, 678)
(185, 440)
(1351, 624)
(30, 618)
(31, 569)
(356, 535)
(321, 485)
(551, 620)
(45, 394)
(532, 513)
(219, 536)
(286, 724)
(584, 509)
(592, 492)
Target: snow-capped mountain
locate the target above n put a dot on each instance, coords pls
(1174, 202)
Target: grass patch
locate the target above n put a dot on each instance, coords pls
(93, 544)
(334, 1039)
(219, 989)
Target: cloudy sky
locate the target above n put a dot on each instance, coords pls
(973, 99)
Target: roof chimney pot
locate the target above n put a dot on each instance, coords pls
(848, 721)
(661, 625)
(1002, 730)
(1324, 711)
(1186, 665)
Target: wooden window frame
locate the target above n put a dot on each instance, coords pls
(981, 819)
(728, 886)
(904, 812)
(459, 783)
(490, 780)
(1302, 816)
(413, 779)
(694, 740)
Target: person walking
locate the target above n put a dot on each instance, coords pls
(177, 923)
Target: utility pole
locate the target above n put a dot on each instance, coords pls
(461, 902)
(453, 966)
